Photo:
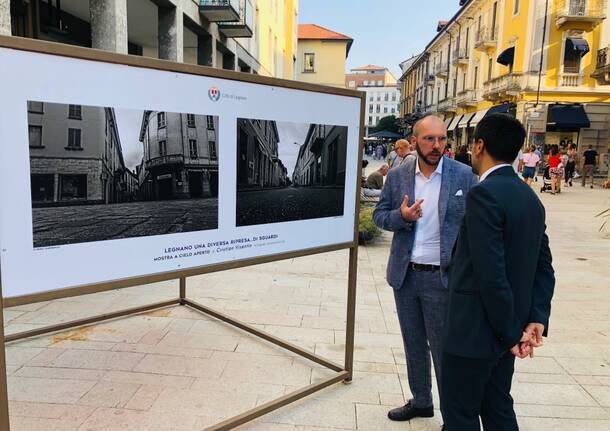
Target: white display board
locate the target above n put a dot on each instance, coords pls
(72, 215)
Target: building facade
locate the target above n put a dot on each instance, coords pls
(546, 66)
(321, 158)
(180, 158)
(322, 54)
(76, 156)
(259, 165)
(254, 36)
(382, 92)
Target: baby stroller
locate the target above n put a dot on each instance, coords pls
(546, 180)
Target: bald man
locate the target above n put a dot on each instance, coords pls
(422, 202)
(402, 152)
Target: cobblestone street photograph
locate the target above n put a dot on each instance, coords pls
(289, 171)
(287, 204)
(122, 173)
(87, 223)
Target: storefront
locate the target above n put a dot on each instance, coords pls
(564, 124)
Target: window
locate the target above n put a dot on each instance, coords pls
(193, 148)
(212, 149)
(393, 110)
(162, 148)
(36, 107)
(371, 97)
(370, 109)
(378, 110)
(35, 133)
(43, 187)
(516, 8)
(309, 63)
(190, 120)
(393, 97)
(74, 112)
(74, 142)
(493, 20)
(571, 57)
(476, 77)
(385, 109)
(72, 187)
(210, 122)
(161, 120)
(490, 66)
(370, 120)
(387, 97)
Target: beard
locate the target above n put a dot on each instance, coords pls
(426, 159)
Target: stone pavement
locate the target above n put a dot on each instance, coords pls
(174, 369)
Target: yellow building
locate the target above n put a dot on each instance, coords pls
(548, 66)
(322, 54)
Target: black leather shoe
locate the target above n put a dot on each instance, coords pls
(408, 412)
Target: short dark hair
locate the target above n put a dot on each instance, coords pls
(503, 135)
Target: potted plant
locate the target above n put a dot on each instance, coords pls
(367, 230)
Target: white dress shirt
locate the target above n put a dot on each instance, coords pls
(490, 170)
(427, 247)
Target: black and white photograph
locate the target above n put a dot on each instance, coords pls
(100, 173)
(289, 171)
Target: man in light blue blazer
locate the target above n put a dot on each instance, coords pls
(422, 202)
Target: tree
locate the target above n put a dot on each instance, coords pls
(388, 123)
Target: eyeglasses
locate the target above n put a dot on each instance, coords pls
(432, 139)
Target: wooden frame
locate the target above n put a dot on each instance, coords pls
(343, 372)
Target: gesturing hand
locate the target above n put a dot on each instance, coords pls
(411, 213)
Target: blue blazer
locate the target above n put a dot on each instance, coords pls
(400, 182)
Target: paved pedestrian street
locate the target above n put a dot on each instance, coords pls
(287, 204)
(174, 369)
(85, 223)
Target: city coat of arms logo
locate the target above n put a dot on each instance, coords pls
(214, 94)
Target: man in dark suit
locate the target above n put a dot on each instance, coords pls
(501, 282)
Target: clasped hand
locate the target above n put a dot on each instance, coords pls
(531, 339)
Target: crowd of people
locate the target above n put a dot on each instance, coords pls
(557, 163)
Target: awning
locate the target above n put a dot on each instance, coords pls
(385, 134)
(505, 108)
(507, 56)
(453, 123)
(568, 118)
(577, 44)
(478, 116)
(465, 119)
(448, 120)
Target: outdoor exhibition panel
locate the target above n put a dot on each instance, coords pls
(125, 170)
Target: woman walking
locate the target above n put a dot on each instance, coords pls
(570, 166)
(530, 161)
(555, 170)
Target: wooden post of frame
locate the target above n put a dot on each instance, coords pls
(182, 290)
(4, 418)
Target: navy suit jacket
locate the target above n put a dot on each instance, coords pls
(400, 181)
(501, 277)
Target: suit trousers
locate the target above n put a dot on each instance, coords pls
(421, 304)
(472, 388)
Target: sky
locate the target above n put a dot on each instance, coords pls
(385, 32)
(292, 136)
(129, 122)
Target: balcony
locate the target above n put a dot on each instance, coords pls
(243, 27)
(602, 70)
(568, 79)
(441, 70)
(447, 105)
(219, 10)
(467, 98)
(460, 57)
(486, 39)
(504, 87)
(430, 79)
(172, 159)
(579, 12)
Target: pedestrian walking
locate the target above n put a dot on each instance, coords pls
(422, 202)
(378, 152)
(501, 283)
(530, 163)
(570, 165)
(590, 159)
(555, 170)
